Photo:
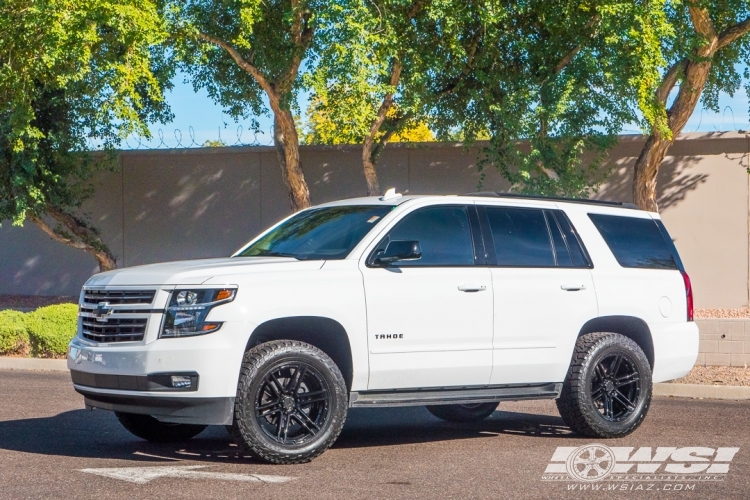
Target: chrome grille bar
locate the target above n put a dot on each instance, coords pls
(119, 296)
(114, 330)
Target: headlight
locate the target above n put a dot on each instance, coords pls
(187, 311)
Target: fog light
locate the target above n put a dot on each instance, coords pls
(180, 381)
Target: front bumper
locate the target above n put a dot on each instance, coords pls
(134, 377)
(204, 411)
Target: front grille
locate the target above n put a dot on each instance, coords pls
(114, 329)
(119, 296)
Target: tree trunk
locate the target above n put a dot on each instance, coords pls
(371, 175)
(77, 234)
(287, 149)
(646, 169)
(656, 147)
(694, 73)
(368, 146)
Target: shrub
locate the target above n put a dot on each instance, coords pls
(13, 336)
(51, 328)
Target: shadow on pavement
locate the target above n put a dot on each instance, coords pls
(97, 434)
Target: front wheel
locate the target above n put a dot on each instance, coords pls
(148, 428)
(607, 391)
(463, 413)
(291, 402)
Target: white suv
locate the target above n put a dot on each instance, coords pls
(452, 302)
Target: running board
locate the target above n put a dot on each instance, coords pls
(513, 392)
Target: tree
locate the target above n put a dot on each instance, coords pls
(322, 127)
(552, 84)
(244, 52)
(708, 40)
(72, 72)
(378, 77)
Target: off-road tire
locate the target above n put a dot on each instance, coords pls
(463, 413)
(257, 364)
(149, 428)
(576, 405)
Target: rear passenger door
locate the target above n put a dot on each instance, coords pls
(543, 292)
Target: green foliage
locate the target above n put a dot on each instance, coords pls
(13, 336)
(433, 44)
(215, 143)
(552, 83)
(323, 126)
(73, 73)
(51, 329)
(729, 66)
(262, 33)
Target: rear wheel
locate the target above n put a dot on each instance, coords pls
(148, 428)
(463, 413)
(291, 402)
(607, 391)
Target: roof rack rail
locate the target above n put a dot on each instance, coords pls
(493, 194)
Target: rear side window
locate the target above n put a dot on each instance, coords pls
(521, 237)
(635, 242)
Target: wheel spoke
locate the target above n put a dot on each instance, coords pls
(615, 364)
(282, 428)
(266, 406)
(608, 412)
(312, 397)
(268, 412)
(627, 379)
(305, 422)
(623, 400)
(597, 392)
(296, 381)
(274, 384)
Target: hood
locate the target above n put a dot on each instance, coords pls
(196, 272)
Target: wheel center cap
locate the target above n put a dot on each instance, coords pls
(609, 386)
(287, 403)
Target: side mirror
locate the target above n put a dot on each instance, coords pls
(399, 250)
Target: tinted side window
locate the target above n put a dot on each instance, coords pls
(521, 237)
(635, 242)
(443, 233)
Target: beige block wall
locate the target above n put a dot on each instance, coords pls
(192, 203)
(724, 342)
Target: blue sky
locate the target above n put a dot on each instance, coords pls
(208, 122)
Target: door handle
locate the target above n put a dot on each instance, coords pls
(472, 288)
(572, 287)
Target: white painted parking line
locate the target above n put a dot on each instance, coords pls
(142, 475)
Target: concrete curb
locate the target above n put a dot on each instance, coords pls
(702, 391)
(51, 365)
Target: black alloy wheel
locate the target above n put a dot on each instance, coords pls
(607, 390)
(293, 403)
(616, 386)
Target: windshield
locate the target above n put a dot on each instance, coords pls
(321, 233)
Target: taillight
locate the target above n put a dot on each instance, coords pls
(689, 294)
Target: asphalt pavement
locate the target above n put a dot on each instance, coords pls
(51, 447)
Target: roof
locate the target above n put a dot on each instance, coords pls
(399, 199)
(586, 201)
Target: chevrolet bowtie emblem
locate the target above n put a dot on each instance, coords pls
(102, 311)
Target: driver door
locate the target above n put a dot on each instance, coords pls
(430, 320)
